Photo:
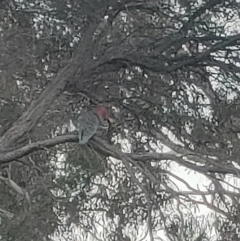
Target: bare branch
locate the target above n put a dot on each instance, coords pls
(110, 150)
(40, 145)
(6, 214)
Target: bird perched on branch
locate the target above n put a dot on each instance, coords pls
(89, 122)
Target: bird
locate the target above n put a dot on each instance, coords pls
(88, 123)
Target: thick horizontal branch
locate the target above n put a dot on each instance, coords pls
(112, 151)
(100, 145)
(39, 145)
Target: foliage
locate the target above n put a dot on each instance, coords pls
(168, 72)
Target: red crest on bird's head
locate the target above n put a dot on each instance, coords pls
(102, 112)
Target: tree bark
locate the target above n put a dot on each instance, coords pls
(78, 65)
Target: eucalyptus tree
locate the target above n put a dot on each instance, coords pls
(168, 72)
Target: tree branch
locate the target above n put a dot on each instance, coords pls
(6, 214)
(39, 145)
(111, 150)
(17, 133)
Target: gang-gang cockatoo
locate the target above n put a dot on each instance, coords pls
(89, 122)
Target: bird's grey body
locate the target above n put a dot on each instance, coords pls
(88, 123)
